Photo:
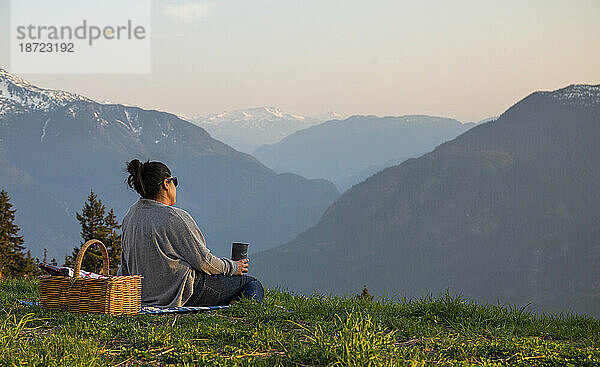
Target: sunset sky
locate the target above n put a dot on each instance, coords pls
(462, 59)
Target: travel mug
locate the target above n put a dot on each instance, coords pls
(239, 251)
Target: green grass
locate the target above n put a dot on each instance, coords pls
(320, 330)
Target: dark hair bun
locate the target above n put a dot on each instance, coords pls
(144, 177)
(134, 167)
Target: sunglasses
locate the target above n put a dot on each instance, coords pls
(171, 179)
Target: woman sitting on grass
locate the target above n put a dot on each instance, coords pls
(164, 245)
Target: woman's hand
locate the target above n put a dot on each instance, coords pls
(242, 266)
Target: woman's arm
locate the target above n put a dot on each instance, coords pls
(189, 242)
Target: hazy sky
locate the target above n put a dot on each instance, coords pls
(462, 59)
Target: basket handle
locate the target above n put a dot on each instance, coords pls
(81, 253)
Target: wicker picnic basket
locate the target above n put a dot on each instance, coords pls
(110, 295)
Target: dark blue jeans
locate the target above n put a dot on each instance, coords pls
(214, 290)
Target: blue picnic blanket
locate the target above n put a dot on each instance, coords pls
(153, 310)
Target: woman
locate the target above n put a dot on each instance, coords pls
(164, 245)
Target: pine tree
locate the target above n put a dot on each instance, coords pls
(13, 262)
(92, 227)
(95, 225)
(113, 241)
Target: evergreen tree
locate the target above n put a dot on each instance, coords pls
(96, 225)
(113, 241)
(13, 262)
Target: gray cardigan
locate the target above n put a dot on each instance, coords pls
(164, 245)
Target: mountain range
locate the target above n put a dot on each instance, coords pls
(246, 130)
(56, 146)
(348, 151)
(509, 210)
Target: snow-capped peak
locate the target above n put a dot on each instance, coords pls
(259, 117)
(578, 94)
(330, 115)
(19, 93)
(249, 128)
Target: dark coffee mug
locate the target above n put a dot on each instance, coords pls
(239, 251)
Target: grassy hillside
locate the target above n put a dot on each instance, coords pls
(298, 330)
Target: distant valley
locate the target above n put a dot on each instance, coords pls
(348, 151)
